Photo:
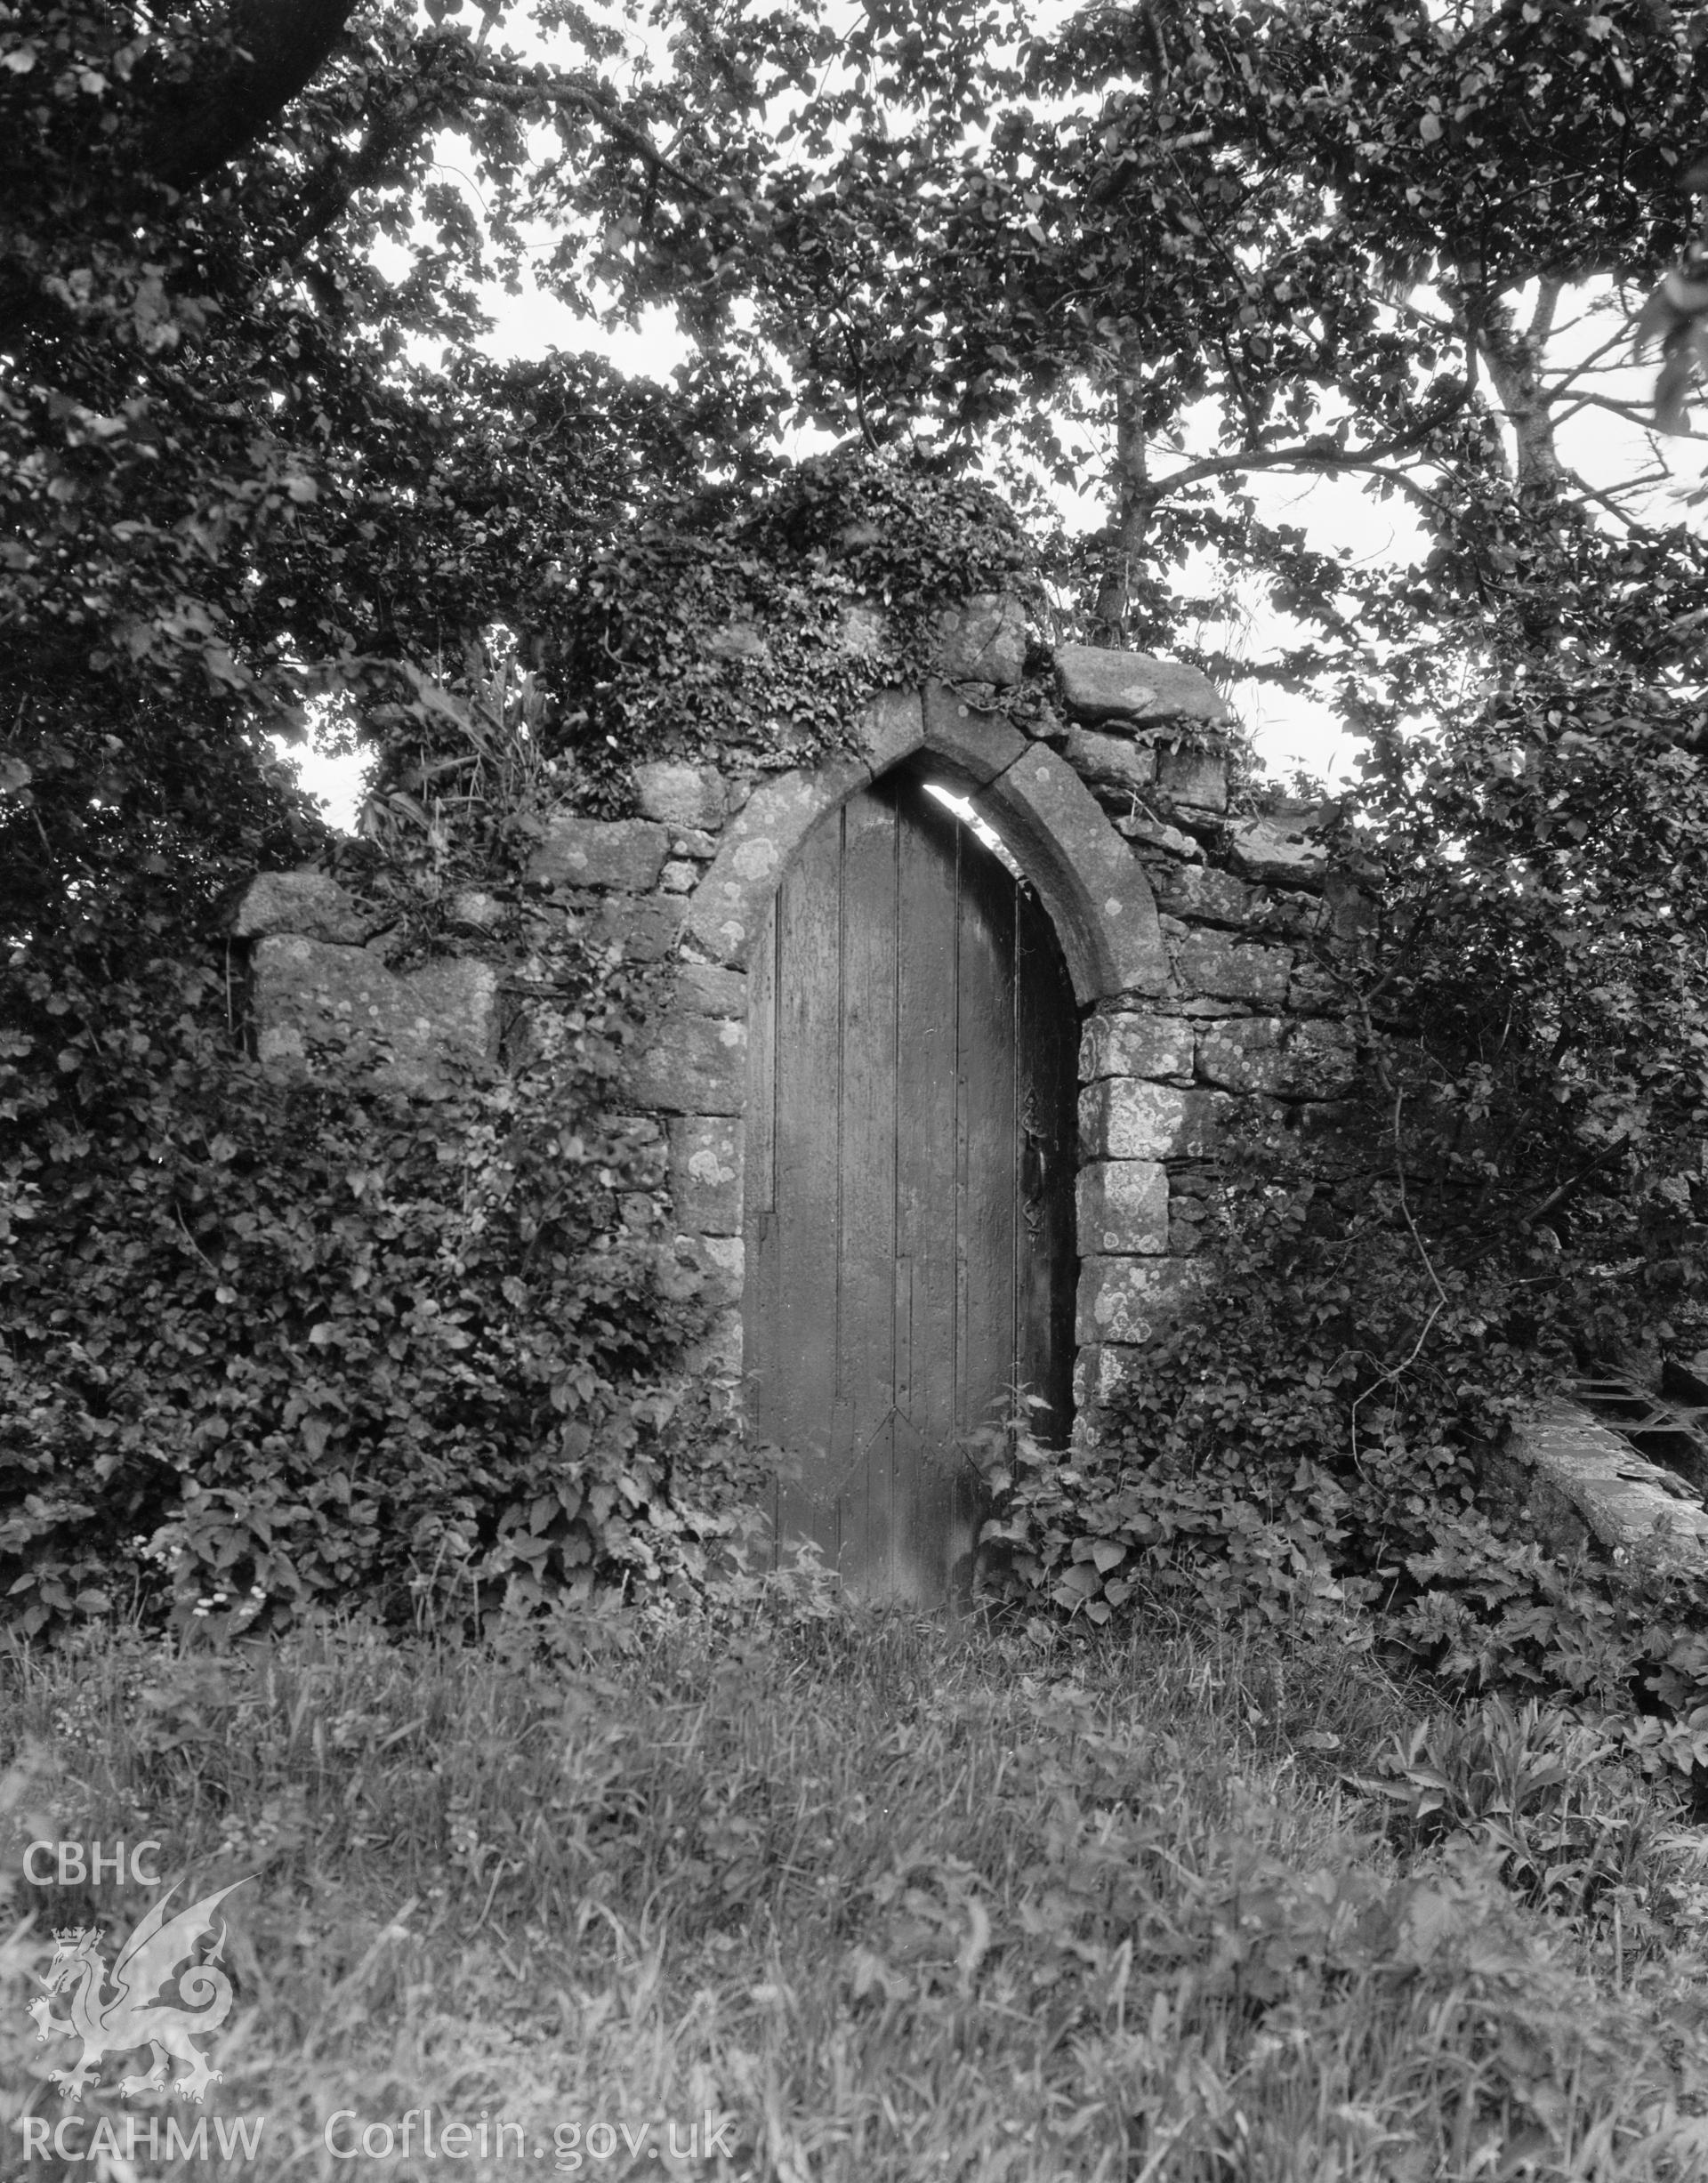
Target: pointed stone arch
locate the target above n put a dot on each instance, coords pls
(1092, 887)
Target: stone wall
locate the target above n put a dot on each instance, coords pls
(1197, 943)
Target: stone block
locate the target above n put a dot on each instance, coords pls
(727, 908)
(1063, 843)
(705, 1172)
(694, 1065)
(890, 727)
(864, 628)
(1123, 1207)
(976, 744)
(1281, 848)
(1198, 777)
(310, 902)
(309, 996)
(1202, 896)
(1152, 834)
(644, 927)
(1099, 685)
(1159, 1047)
(1567, 1475)
(681, 795)
(1120, 1119)
(982, 640)
(738, 641)
(717, 1355)
(1230, 970)
(1113, 763)
(718, 1261)
(1099, 1370)
(1310, 1060)
(628, 853)
(679, 877)
(708, 989)
(1133, 1300)
(697, 842)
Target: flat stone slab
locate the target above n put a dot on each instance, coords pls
(311, 995)
(310, 902)
(1099, 685)
(1313, 1058)
(1569, 1477)
(1212, 964)
(628, 853)
(681, 795)
(1279, 848)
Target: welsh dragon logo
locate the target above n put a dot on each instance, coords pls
(159, 1952)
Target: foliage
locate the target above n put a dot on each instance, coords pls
(279, 1343)
(887, 1899)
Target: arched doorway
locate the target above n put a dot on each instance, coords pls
(909, 1200)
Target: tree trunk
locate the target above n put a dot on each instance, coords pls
(1513, 359)
(1134, 498)
(270, 50)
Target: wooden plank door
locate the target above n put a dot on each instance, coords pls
(909, 1200)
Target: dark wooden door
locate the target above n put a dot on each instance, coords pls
(909, 1197)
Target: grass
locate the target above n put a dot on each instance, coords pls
(870, 1898)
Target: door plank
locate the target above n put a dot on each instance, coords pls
(926, 1199)
(808, 1080)
(872, 1535)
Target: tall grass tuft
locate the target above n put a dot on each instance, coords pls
(829, 1895)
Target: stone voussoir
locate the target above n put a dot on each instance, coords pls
(727, 909)
(1109, 932)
